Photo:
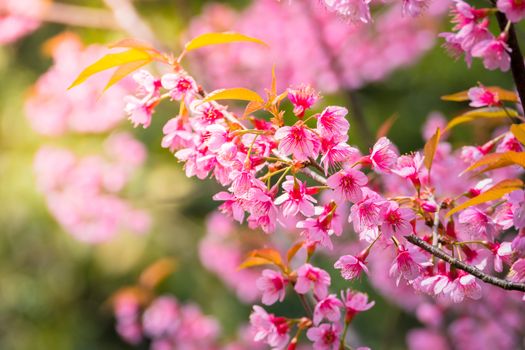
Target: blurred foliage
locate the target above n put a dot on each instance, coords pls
(54, 290)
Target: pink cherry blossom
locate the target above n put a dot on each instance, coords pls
(355, 10)
(332, 124)
(355, 302)
(273, 286)
(481, 97)
(396, 220)
(312, 277)
(350, 266)
(476, 224)
(513, 9)
(404, 266)
(325, 336)
(302, 98)
(179, 85)
(320, 228)
(273, 330)
(337, 153)
(494, 52)
(383, 155)
(328, 308)
(297, 197)
(347, 185)
(463, 286)
(298, 140)
(162, 317)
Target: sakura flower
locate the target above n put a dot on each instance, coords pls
(355, 10)
(347, 185)
(410, 167)
(177, 134)
(404, 266)
(517, 201)
(232, 205)
(325, 336)
(518, 243)
(331, 123)
(297, 197)
(337, 153)
(312, 277)
(261, 207)
(273, 286)
(502, 253)
(414, 7)
(298, 140)
(179, 85)
(513, 9)
(396, 220)
(319, 229)
(327, 308)
(481, 97)
(366, 214)
(463, 286)
(494, 52)
(302, 98)
(206, 113)
(517, 271)
(241, 182)
(141, 109)
(435, 285)
(383, 155)
(476, 224)
(162, 317)
(351, 266)
(355, 302)
(274, 330)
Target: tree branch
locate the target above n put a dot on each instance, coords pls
(508, 285)
(79, 16)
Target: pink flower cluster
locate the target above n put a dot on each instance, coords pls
(83, 193)
(53, 110)
(309, 44)
(472, 36)
(19, 18)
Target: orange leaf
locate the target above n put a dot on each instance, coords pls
(481, 113)
(499, 160)
(123, 71)
(157, 272)
(293, 250)
(265, 256)
(430, 149)
(518, 130)
(495, 192)
(386, 126)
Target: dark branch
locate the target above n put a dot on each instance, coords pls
(516, 58)
(508, 285)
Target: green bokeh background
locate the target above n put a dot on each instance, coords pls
(54, 290)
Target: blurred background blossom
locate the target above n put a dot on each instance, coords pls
(88, 203)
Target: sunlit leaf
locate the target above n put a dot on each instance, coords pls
(386, 126)
(233, 94)
(503, 95)
(293, 250)
(499, 160)
(123, 71)
(133, 44)
(111, 60)
(430, 149)
(266, 256)
(157, 272)
(219, 38)
(518, 130)
(481, 113)
(495, 192)
(253, 106)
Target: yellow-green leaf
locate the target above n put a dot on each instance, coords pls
(481, 113)
(495, 192)
(430, 149)
(110, 61)
(219, 38)
(503, 95)
(233, 94)
(499, 160)
(123, 71)
(518, 130)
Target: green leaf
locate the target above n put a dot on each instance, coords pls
(495, 192)
(111, 60)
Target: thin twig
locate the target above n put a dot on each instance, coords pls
(79, 16)
(508, 285)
